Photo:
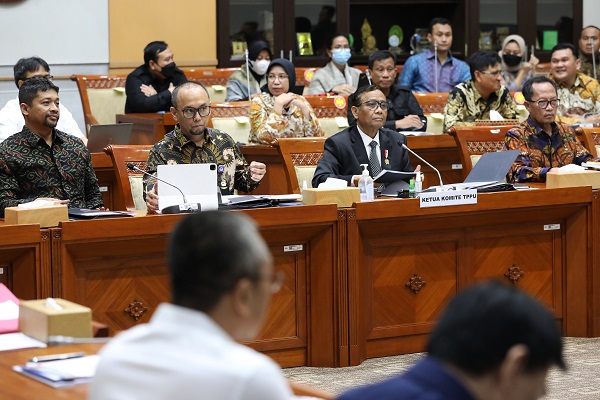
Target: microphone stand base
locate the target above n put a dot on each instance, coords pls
(186, 208)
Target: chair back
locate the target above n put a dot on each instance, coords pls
(214, 80)
(102, 97)
(473, 141)
(433, 105)
(233, 118)
(129, 183)
(330, 111)
(590, 137)
(300, 157)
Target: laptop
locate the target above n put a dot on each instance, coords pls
(197, 182)
(492, 166)
(101, 136)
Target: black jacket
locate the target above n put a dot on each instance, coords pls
(138, 102)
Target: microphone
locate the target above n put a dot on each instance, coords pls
(174, 209)
(435, 66)
(425, 161)
(368, 74)
(248, 73)
(593, 57)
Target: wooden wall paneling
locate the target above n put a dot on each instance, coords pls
(594, 255)
(21, 260)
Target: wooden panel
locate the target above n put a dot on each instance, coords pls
(116, 265)
(105, 173)
(274, 181)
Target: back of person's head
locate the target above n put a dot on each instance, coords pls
(186, 85)
(564, 46)
(289, 68)
(481, 60)
(380, 55)
(482, 323)
(31, 87)
(29, 64)
(209, 252)
(528, 86)
(152, 49)
(358, 95)
(435, 21)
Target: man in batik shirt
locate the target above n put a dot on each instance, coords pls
(474, 99)
(543, 143)
(587, 51)
(578, 93)
(191, 142)
(41, 162)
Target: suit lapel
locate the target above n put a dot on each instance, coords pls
(358, 146)
(386, 145)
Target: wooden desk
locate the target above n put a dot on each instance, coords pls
(118, 268)
(148, 128)
(393, 246)
(20, 387)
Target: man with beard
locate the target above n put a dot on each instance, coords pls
(149, 86)
(41, 162)
(191, 142)
(543, 143)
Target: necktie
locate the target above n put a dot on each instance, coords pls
(373, 160)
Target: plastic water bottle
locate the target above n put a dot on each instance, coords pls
(418, 183)
(366, 186)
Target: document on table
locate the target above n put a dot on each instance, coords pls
(61, 373)
(18, 340)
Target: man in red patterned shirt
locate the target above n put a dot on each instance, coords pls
(544, 143)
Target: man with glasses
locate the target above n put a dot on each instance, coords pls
(578, 93)
(192, 142)
(543, 143)
(405, 113)
(366, 142)
(475, 99)
(11, 119)
(222, 278)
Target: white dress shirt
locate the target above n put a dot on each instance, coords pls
(183, 354)
(12, 121)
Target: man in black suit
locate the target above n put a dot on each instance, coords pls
(366, 142)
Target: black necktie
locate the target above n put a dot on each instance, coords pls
(373, 160)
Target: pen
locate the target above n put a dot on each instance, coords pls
(57, 357)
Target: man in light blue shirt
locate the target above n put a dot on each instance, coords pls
(420, 71)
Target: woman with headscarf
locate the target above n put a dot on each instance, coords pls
(279, 112)
(259, 57)
(515, 69)
(337, 76)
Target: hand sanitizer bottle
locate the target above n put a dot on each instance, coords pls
(418, 183)
(365, 185)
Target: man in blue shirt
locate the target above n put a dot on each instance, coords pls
(492, 342)
(420, 71)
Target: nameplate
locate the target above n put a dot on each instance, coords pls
(448, 198)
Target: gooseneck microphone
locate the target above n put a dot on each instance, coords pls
(368, 74)
(175, 209)
(425, 161)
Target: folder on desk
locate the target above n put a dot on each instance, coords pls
(61, 373)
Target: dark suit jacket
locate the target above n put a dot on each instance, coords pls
(345, 151)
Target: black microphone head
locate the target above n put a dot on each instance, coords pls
(130, 165)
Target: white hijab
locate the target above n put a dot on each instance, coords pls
(521, 43)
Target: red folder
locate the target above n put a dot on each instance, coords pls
(8, 325)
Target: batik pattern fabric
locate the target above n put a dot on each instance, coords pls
(580, 99)
(268, 125)
(540, 151)
(30, 168)
(465, 105)
(219, 148)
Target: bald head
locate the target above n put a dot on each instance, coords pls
(191, 85)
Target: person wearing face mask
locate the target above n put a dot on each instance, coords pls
(149, 86)
(278, 111)
(337, 76)
(259, 57)
(515, 69)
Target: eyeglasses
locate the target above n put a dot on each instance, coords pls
(190, 112)
(543, 104)
(281, 78)
(373, 104)
(492, 73)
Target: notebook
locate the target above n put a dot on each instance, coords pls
(197, 182)
(101, 136)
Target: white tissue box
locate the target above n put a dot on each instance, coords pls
(343, 197)
(45, 216)
(39, 321)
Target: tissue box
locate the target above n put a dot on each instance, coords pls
(343, 197)
(38, 321)
(45, 216)
(570, 179)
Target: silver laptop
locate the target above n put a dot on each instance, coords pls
(101, 136)
(197, 182)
